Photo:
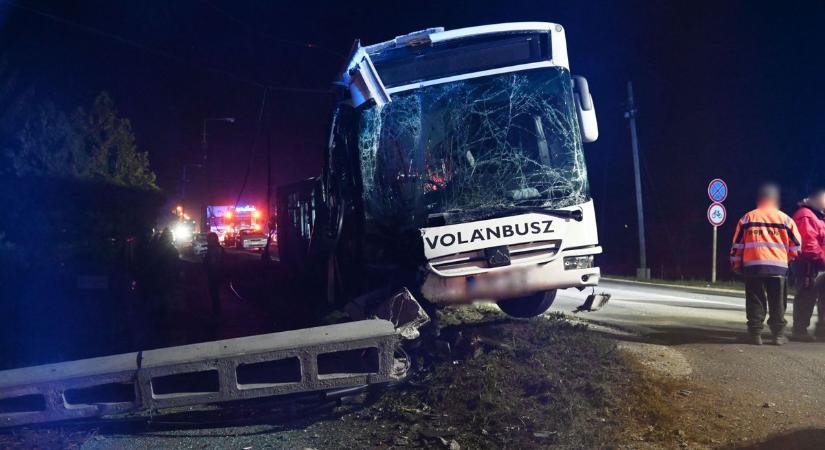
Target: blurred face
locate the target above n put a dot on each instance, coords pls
(767, 201)
(768, 195)
(817, 200)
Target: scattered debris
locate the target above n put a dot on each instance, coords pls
(544, 434)
(599, 299)
(401, 308)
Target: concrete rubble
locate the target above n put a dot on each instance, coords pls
(400, 308)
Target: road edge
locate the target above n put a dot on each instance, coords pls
(677, 287)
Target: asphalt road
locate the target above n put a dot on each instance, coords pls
(232, 252)
(664, 312)
(754, 392)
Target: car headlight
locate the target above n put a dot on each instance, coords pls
(578, 262)
(181, 232)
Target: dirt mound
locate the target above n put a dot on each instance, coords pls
(519, 384)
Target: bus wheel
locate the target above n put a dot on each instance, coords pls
(529, 305)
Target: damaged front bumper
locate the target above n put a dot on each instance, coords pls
(512, 281)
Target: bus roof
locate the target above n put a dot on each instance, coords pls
(438, 35)
(412, 60)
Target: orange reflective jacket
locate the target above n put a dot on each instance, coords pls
(766, 240)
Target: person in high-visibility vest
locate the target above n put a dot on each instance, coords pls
(809, 269)
(765, 242)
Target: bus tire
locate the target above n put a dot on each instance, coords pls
(528, 305)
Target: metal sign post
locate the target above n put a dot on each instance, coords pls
(716, 216)
(718, 192)
(713, 264)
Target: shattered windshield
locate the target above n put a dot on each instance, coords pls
(464, 150)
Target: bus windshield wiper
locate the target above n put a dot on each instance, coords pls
(436, 220)
(575, 214)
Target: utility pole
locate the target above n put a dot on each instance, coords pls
(266, 255)
(208, 178)
(207, 168)
(185, 179)
(643, 272)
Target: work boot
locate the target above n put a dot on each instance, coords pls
(801, 336)
(755, 339)
(779, 339)
(819, 333)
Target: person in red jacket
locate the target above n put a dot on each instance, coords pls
(809, 277)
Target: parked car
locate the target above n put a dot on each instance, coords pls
(230, 239)
(251, 240)
(199, 244)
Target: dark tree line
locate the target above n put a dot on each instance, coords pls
(95, 144)
(73, 182)
(78, 202)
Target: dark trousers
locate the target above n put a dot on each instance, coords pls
(765, 295)
(810, 292)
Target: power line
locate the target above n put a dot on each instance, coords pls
(246, 26)
(162, 53)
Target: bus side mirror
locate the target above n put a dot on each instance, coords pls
(585, 110)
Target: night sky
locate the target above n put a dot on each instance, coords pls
(724, 89)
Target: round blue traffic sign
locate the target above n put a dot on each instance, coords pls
(717, 190)
(717, 214)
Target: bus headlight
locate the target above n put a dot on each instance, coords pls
(578, 262)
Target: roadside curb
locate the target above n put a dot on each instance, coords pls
(693, 289)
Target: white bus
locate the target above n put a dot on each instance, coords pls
(455, 168)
